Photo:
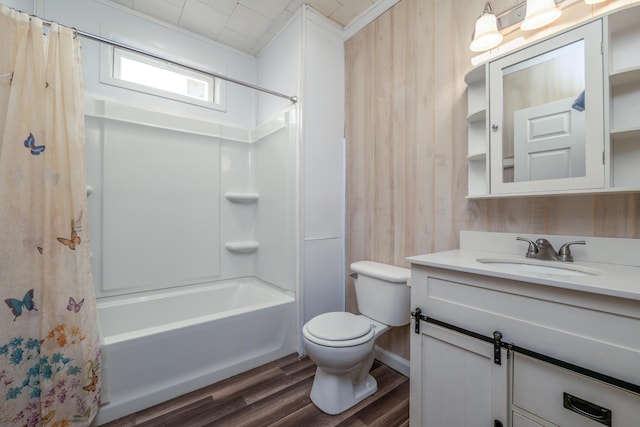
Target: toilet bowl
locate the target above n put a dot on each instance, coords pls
(341, 344)
(343, 358)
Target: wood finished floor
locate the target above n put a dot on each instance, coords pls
(277, 394)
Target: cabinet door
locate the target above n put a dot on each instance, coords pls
(546, 115)
(454, 381)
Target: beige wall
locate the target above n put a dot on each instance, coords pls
(406, 149)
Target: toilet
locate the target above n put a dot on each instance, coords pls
(341, 344)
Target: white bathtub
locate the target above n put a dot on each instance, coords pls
(163, 344)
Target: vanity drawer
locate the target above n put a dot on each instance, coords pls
(520, 420)
(547, 390)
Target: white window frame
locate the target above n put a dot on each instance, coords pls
(111, 75)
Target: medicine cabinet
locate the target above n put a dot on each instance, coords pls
(559, 116)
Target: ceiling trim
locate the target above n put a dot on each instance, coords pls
(367, 17)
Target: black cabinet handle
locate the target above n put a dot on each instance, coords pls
(587, 409)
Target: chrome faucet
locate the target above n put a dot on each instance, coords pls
(543, 249)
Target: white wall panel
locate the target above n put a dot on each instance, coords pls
(279, 66)
(323, 278)
(307, 56)
(323, 129)
(94, 141)
(276, 182)
(23, 5)
(159, 183)
(238, 221)
(160, 213)
(323, 170)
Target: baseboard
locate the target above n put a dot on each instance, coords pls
(393, 361)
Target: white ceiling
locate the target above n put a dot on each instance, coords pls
(246, 25)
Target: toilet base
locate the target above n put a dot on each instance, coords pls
(334, 394)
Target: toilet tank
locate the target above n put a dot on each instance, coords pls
(382, 292)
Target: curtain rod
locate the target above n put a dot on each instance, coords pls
(114, 43)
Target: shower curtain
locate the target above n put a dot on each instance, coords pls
(49, 344)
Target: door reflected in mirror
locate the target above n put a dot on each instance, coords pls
(544, 107)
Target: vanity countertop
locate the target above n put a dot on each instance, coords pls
(616, 280)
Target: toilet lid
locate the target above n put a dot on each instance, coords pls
(338, 326)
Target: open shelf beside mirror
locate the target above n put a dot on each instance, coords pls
(623, 63)
(477, 159)
(623, 77)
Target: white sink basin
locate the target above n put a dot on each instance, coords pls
(528, 266)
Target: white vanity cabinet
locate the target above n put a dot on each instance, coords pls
(547, 333)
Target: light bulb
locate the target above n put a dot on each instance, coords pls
(486, 35)
(540, 13)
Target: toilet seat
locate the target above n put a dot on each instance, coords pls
(338, 329)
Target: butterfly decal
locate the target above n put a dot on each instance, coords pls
(16, 305)
(30, 142)
(73, 241)
(49, 417)
(74, 306)
(94, 381)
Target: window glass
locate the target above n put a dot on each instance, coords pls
(150, 75)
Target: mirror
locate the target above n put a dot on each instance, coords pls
(546, 115)
(543, 123)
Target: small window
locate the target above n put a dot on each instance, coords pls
(145, 74)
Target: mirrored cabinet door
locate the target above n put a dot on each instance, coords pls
(546, 130)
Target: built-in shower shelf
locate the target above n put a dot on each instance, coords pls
(245, 198)
(242, 247)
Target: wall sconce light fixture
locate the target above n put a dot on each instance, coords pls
(540, 13)
(486, 35)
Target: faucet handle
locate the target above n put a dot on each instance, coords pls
(564, 254)
(533, 248)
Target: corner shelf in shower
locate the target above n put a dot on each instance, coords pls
(245, 198)
(242, 247)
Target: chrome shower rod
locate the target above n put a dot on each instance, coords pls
(114, 43)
